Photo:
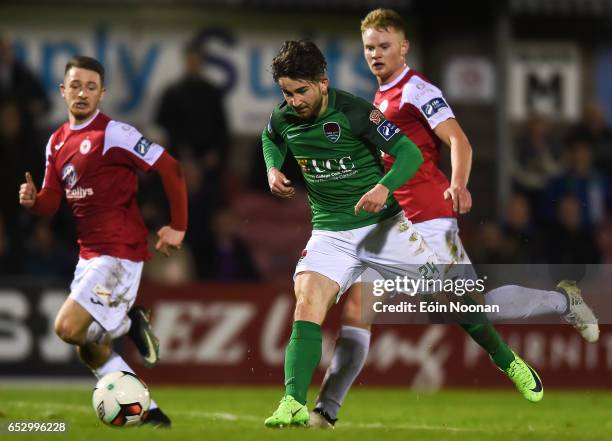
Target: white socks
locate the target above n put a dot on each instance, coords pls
(518, 302)
(349, 357)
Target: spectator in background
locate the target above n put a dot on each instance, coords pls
(228, 258)
(591, 189)
(177, 269)
(9, 263)
(20, 149)
(604, 241)
(45, 255)
(536, 162)
(594, 130)
(521, 235)
(192, 113)
(568, 240)
(19, 84)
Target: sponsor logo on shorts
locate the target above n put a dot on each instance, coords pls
(387, 129)
(96, 301)
(142, 146)
(332, 131)
(433, 106)
(376, 116)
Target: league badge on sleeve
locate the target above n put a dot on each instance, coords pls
(142, 146)
(433, 106)
(387, 129)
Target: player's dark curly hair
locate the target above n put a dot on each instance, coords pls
(299, 60)
(85, 62)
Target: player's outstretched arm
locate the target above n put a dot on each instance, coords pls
(170, 237)
(44, 203)
(451, 133)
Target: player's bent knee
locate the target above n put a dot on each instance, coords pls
(69, 331)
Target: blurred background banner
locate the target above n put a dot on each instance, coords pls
(140, 61)
(236, 334)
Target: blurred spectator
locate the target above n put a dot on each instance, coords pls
(19, 84)
(521, 235)
(228, 258)
(178, 269)
(20, 151)
(46, 256)
(491, 246)
(604, 241)
(192, 113)
(594, 130)
(568, 240)
(591, 189)
(9, 263)
(536, 162)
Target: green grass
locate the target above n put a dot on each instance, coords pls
(391, 414)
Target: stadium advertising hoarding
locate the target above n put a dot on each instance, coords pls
(236, 334)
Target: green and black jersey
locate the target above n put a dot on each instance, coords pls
(339, 154)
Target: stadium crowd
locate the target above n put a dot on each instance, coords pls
(559, 210)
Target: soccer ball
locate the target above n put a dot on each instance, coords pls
(121, 399)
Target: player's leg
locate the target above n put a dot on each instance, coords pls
(443, 236)
(314, 294)
(95, 314)
(328, 266)
(350, 354)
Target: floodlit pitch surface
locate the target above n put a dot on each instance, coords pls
(232, 413)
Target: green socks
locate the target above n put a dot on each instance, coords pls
(487, 337)
(302, 357)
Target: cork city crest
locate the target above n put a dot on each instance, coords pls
(332, 131)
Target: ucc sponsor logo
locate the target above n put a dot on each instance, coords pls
(317, 166)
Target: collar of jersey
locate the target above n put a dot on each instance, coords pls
(385, 87)
(86, 123)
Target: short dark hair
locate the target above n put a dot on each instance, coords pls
(85, 62)
(299, 60)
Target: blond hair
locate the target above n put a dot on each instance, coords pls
(381, 19)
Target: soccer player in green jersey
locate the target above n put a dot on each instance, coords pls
(336, 139)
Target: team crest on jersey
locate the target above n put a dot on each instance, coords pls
(142, 146)
(85, 146)
(387, 130)
(376, 116)
(433, 106)
(69, 175)
(332, 131)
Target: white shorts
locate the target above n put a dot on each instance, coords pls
(106, 287)
(442, 236)
(392, 248)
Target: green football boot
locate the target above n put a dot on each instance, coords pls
(525, 379)
(289, 413)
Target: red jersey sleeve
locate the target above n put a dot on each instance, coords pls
(51, 180)
(136, 150)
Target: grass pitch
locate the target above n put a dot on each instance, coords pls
(391, 414)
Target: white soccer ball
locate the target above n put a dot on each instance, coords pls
(121, 399)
